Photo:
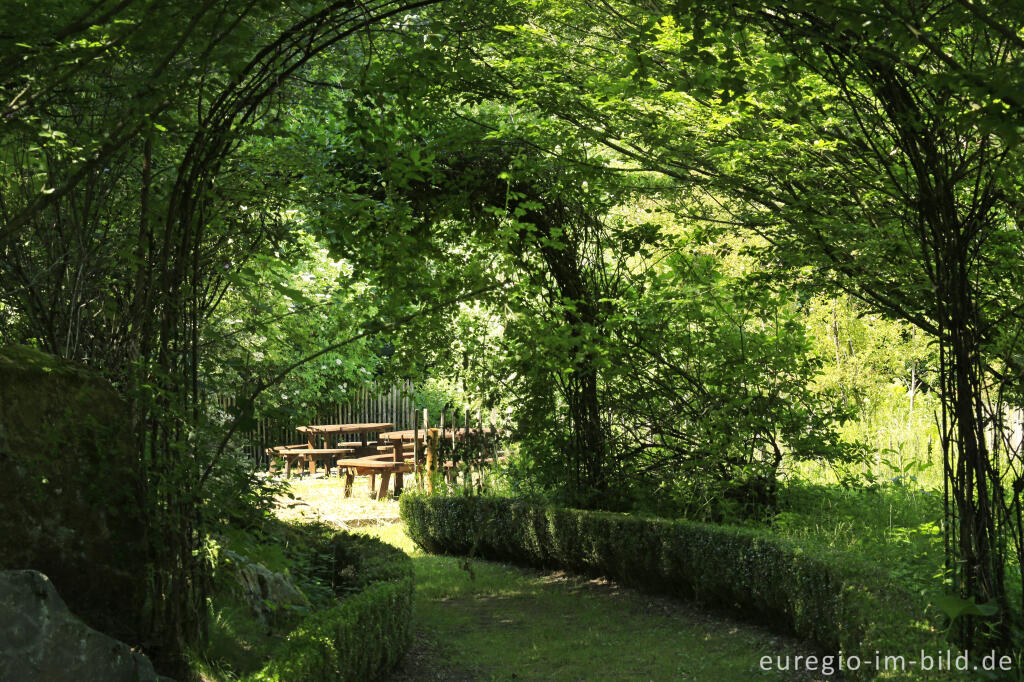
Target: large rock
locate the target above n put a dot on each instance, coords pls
(270, 595)
(41, 640)
(70, 488)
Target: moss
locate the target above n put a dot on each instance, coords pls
(28, 360)
(70, 496)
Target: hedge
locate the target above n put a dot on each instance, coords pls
(838, 606)
(366, 634)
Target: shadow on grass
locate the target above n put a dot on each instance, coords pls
(484, 620)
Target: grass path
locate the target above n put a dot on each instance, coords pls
(480, 620)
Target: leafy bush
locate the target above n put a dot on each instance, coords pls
(850, 608)
(366, 633)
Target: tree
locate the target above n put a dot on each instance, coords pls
(119, 126)
(840, 136)
(463, 193)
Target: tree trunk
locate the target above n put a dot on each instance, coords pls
(981, 564)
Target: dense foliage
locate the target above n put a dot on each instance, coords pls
(682, 252)
(352, 623)
(367, 632)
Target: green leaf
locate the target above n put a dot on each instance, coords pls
(954, 607)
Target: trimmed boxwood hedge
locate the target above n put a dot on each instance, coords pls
(367, 633)
(838, 606)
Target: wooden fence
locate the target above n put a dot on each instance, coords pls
(392, 404)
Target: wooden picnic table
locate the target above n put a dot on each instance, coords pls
(338, 430)
(385, 457)
(409, 434)
(385, 464)
(327, 454)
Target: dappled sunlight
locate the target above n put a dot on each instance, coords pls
(723, 300)
(487, 620)
(316, 497)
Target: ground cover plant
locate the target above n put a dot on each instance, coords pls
(344, 593)
(498, 622)
(840, 603)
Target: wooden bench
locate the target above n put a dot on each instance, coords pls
(277, 453)
(372, 466)
(392, 460)
(302, 454)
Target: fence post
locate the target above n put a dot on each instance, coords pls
(426, 436)
(438, 452)
(452, 476)
(416, 451)
(432, 443)
(480, 451)
(467, 466)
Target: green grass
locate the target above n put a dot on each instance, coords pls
(238, 645)
(895, 526)
(484, 620)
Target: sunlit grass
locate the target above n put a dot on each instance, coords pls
(485, 620)
(324, 499)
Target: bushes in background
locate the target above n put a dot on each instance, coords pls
(840, 607)
(366, 633)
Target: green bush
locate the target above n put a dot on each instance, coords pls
(366, 633)
(838, 606)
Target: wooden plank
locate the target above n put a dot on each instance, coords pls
(314, 451)
(467, 474)
(371, 464)
(335, 429)
(432, 442)
(385, 478)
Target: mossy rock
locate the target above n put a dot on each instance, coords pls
(71, 488)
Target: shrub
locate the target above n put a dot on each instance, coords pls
(840, 607)
(366, 633)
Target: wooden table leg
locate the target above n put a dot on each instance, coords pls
(373, 483)
(399, 483)
(311, 444)
(349, 477)
(385, 478)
